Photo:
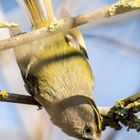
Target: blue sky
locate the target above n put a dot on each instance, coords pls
(8, 5)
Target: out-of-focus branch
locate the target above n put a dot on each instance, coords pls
(65, 24)
(123, 6)
(122, 47)
(122, 113)
(61, 26)
(8, 24)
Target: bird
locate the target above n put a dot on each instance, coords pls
(56, 72)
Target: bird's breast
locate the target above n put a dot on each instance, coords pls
(62, 72)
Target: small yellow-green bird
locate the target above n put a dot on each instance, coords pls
(57, 74)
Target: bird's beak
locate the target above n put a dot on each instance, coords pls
(86, 137)
(95, 137)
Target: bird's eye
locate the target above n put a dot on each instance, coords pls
(87, 130)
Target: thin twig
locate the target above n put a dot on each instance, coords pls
(18, 98)
(8, 24)
(61, 26)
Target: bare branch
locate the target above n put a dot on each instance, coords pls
(114, 117)
(8, 24)
(17, 98)
(123, 6)
(129, 100)
(124, 48)
(61, 26)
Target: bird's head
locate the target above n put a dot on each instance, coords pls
(79, 118)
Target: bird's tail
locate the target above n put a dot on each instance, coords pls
(39, 12)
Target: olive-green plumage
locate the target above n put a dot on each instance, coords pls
(60, 79)
(61, 66)
(57, 74)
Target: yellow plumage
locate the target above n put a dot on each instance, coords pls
(37, 12)
(57, 74)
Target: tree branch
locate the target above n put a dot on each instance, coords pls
(61, 26)
(123, 6)
(17, 98)
(122, 113)
(8, 24)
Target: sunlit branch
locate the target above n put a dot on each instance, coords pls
(8, 24)
(61, 26)
(17, 98)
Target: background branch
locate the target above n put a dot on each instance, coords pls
(17, 98)
(61, 26)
